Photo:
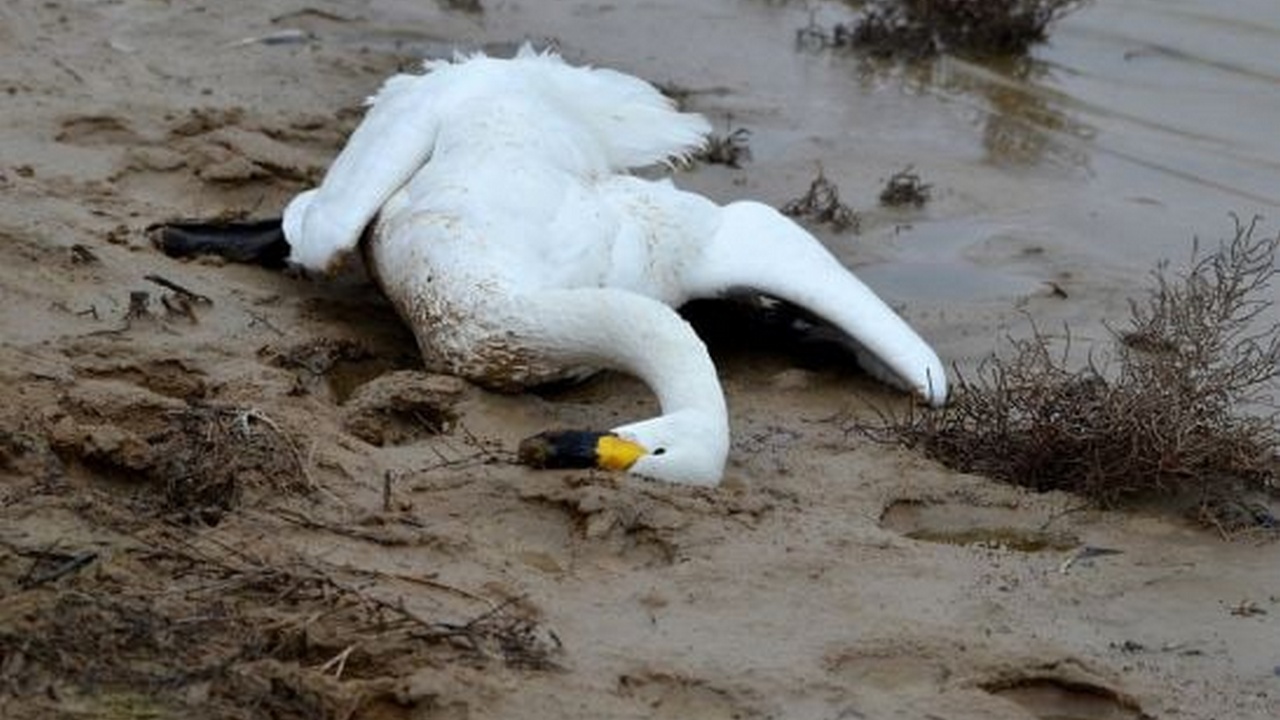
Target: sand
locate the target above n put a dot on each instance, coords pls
(247, 500)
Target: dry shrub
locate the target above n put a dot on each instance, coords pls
(731, 148)
(821, 204)
(467, 6)
(207, 456)
(925, 28)
(1185, 409)
(905, 188)
(178, 625)
(192, 463)
(177, 641)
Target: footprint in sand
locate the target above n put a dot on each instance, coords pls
(672, 696)
(1050, 698)
(956, 523)
(96, 131)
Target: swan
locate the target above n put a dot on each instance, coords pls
(492, 202)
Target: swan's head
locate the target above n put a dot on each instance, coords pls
(683, 447)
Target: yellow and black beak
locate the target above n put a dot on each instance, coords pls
(562, 449)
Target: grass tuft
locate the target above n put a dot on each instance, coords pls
(821, 204)
(905, 188)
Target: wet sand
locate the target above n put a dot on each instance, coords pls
(829, 577)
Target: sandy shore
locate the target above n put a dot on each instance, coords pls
(246, 501)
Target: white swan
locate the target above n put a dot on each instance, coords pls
(505, 230)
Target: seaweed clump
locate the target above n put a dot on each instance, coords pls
(926, 28)
(731, 148)
(905, 188)
(822, 204)
(1185, 409)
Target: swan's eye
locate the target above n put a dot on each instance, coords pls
(659, 451)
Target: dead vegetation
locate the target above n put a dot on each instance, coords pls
(821, 204)
(201, 458)
(1185, 409)
(731, 148)
(183, 624)
(173, 588)
(474, 7)
(905, 188)
(913, 29)
(208, 456)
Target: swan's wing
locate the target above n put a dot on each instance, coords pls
(628, 119)
(756, 248)
(393, 141)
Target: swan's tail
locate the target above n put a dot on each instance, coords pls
(635, 123)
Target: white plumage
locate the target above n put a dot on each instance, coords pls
(506, 231)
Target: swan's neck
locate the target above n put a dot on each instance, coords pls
(625, 331)
(642, 337)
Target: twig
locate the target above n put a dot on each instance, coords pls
(68, 70)
(82, 255)
(423, 581)
(396, 608)
(1087, 552)
(260, 319)
(490, 455)
(338, 662)
(194, 297)
(179, 305)
(490, 613)
(1044, 526)
(357, 533)
(66, 567)
(138, 300)
(256, 414)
